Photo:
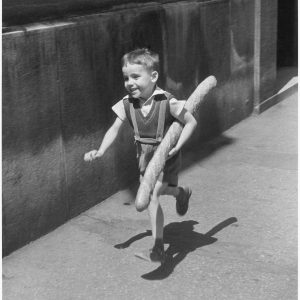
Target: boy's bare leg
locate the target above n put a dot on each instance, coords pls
(155, 211)
(182, 196)
(156, 254)
(171, 190)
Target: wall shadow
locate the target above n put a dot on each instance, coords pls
(182, 240)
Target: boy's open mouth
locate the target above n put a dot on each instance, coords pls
(133, 91)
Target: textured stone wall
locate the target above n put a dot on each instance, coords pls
(265, 51)
(17, 12)
(60, 80)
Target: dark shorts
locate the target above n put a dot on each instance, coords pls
(170, 172)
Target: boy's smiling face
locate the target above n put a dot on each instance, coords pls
(139, 81)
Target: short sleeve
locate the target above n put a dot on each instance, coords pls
(119, 110)
(176, 107)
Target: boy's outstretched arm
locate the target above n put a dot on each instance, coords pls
(109, 137)
(190, 125)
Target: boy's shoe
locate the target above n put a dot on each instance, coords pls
(152, 255)
(182, 200)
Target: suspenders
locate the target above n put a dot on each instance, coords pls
(160, 125)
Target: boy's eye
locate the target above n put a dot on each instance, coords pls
(135, 76)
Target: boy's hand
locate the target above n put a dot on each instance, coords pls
(89, 156)
(172, 152)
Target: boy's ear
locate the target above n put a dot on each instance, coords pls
(154, 76)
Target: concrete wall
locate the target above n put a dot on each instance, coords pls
(60, 80)
(265, 51)
(17, 12)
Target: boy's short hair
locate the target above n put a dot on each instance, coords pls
(142, 56)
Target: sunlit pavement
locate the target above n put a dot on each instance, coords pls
(237, 241)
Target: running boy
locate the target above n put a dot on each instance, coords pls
(151, 111)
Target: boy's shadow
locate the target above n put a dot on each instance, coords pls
(182, 239)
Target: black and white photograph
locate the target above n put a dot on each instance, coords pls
(149, 150)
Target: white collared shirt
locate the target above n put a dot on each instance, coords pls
(176, 106)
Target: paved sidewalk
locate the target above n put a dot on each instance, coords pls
(237, 241)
